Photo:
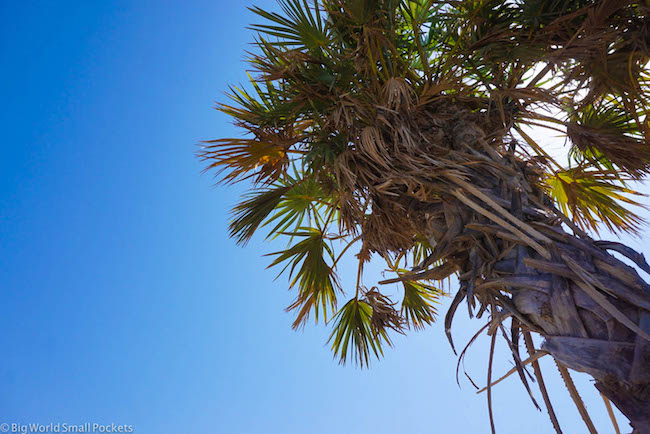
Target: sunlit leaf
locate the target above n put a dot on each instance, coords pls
(593, 198)
(247, 158)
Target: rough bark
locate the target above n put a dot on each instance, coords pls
(592, 309)
(558, 297)
(485, 211)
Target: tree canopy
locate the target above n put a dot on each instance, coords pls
(367, 124)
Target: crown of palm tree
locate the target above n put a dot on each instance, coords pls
(365, 118)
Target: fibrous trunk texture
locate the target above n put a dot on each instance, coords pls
(592, 309)
(487, 216)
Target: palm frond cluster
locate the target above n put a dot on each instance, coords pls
(398, 128)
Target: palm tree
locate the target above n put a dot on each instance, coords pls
(408, 130)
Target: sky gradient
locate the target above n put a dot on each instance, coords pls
(124, 300)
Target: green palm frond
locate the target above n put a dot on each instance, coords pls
(594, 197)
(270, 118)
(421, 250)
(353, 336)
(267, 107)
(418, 304)
(302, 26)
(305, 198)
(251, 213)
(308, 268)
(284, 206)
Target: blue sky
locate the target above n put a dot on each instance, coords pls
(125, 302)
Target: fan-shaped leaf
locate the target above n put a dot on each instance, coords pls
(302, 26)
(418, 305)
(249, 214)
(353, 336)
(316, 280)
(594, 197)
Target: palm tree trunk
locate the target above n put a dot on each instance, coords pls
(593, 311)
(506, 237)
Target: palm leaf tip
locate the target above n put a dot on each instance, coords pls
(301, 25)
(251, 213)
(308, 269)
(353, 335)
(418, 304)
(239, 159)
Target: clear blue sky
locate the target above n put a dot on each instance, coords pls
(124, 301)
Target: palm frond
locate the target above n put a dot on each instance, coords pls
(251, 213)
(418, 304)
(405, 118)
(595, 197)
(353, 336)
(384, 314)
(301, 27)
(317, 282)
(606, 135)
(239, 159)
(267, 107)
(304, 198)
